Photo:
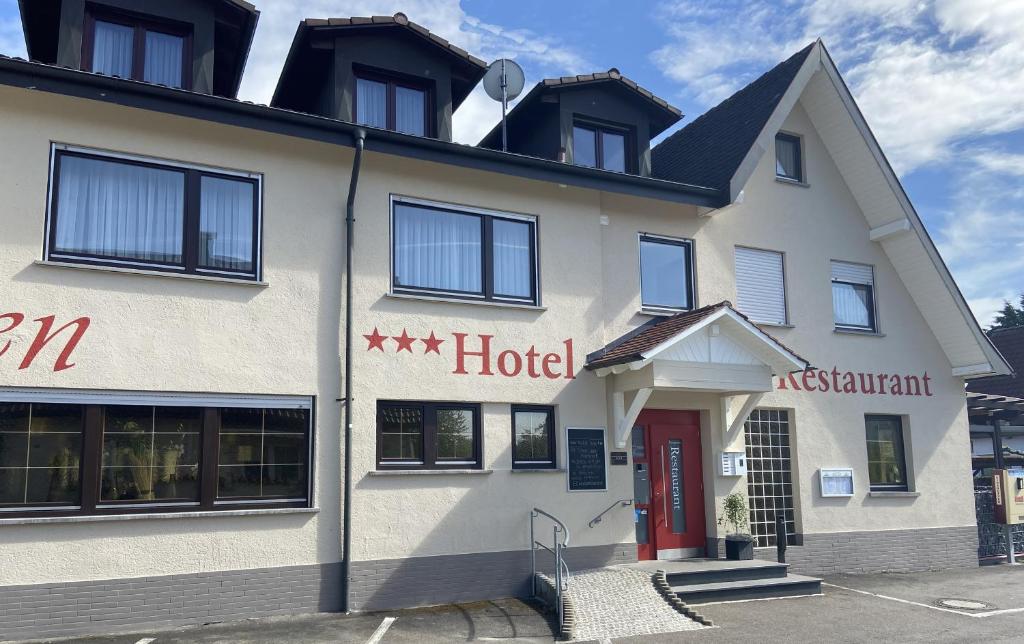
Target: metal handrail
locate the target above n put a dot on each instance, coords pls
(559, 546)
(621, 502)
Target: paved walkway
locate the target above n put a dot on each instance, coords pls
(622, 602)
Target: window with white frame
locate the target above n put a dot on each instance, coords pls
(464, 253)
(761, 285)
(666, 273)
(853, 296)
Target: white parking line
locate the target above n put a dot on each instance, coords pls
(146, 640)
(383, 628)
(990, 613)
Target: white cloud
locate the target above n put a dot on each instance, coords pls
(12, 39)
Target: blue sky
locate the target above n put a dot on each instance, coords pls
(940, 81)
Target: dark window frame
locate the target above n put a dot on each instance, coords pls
(428, 429)
(552, 442)
(691, 273)
(90, 502)
(797, 142)
(192, 180)
(487, 294)
(872, 325)
(394, 80)
(904, 486)
(630, 161)
(141, 23)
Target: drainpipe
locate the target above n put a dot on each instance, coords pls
(346, 540)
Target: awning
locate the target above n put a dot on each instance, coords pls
(714, 349)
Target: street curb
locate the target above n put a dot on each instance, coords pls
(661, 584)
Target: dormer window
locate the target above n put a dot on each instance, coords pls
(137, 48)
(392, 104)
(599, 146)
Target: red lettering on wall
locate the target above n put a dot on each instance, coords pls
(16, 319)
(45, 335)
(517, 363)
(848, 382)
(484, 354)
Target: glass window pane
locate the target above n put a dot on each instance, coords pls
(410, 111)
(613, 152)
(401, 433)
(513, 273)
(150, 454)
(532, 437)
(263, 453)
(435, 249)
(53, 485)
(119, 210)
(663, 274)
(239, 481)
(40, 453)
(787, 157)
(112, 49)
(371, 103)
(164, 54)
(455, 434)
(886, 459)
(584, 147)
(851, 304)
(227, 212)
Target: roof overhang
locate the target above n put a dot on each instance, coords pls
(891, 218)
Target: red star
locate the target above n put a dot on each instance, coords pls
(376, 340)
(404, 341)
(433, 344)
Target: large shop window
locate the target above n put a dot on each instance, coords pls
(127, 212)
(853, 296)
(769, 475)
(761, 285)
(393, 104)
(887, 463)
(139, 48)
(428, 435)
(467, 254)
(533, 437)
(89, 459)
(666, 273)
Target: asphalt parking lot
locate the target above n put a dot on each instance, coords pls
(988, 606)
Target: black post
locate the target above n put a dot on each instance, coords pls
(780, 536)
(997, 443)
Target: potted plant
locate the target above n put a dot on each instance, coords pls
(738, 544)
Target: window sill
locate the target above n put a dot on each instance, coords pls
(775, 325)
(793, 182)
(101, 518)
(452, 300)
(870, 334)
(142, 271)
(661, 313)
(893, 494)
(538, 470)
(426, 472)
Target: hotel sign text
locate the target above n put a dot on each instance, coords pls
(44, 335)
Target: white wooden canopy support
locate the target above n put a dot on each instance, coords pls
(732, 421)
(624, 418)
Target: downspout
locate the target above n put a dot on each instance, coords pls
(346, 540)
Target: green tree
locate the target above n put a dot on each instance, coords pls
(1010, 316)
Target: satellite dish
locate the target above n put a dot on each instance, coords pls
(503, 82)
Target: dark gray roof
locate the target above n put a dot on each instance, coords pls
(613, 75)
(708, 151)
(1010, 343)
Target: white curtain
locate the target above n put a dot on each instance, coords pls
(226, 210)
(119, 210)
(850, 305)
(371, 103)
(511, 258)
(112, 49)
(163, 59)
(410, 111)
(437, 250)
(786, 164)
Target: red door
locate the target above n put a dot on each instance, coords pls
(671, 515)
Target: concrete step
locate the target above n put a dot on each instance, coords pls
(788, 586)
(724, 571)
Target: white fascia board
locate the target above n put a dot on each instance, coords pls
(891, 229)
(764, 140)
(996, 361)
(972, 370)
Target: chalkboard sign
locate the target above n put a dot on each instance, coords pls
(586, 462)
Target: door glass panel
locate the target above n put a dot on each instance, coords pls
(674, 483)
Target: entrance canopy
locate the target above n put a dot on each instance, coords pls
(714, 349)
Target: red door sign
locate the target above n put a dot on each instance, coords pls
(670, 516)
